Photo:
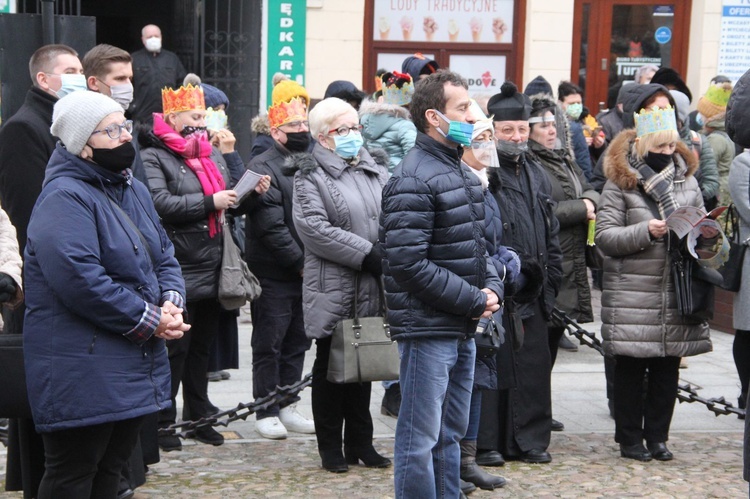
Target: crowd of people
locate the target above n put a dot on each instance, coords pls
(118, 174)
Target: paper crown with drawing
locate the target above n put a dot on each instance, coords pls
(285, 112)
(655, 120)
(185, 98)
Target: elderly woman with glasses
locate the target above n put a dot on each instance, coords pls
(103, 293)
(190, 184)
(337, 191)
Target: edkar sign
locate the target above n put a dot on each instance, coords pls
(286, 41)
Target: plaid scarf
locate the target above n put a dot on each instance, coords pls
(659, 186)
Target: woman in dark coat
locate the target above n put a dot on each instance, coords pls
(189, 181)
(337, 193)
(103, 292)
(575, 205)
(516, 420)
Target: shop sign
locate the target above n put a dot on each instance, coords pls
(734, 58)
(484, 73)
(627, 66)
(467, 21)
(286, 41)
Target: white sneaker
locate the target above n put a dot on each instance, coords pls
(294, 421)
(270, 428)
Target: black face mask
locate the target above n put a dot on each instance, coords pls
(114, 160)
(298, 141)
(657, 161)
(188, 130)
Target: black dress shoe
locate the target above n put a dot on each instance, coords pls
(636, 451)
(333, 461)
(538, 456)
(489, 458)
(467, 487)
(368, 455)
(474, 473)
(557, 425)
(659, 451)
(168, 443)
(207, 435)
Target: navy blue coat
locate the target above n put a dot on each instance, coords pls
(88, 282)
(432, 228)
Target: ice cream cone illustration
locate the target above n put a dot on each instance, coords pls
(430, 27)
(407, 25)
(499, 28)
(476, 29)
(452, 30)
(384, 27)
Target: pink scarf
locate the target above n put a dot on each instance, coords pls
(196, 152)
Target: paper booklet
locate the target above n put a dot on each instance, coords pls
(688, 221)
(246, 185)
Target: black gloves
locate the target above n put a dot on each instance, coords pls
(373, 262)
(7, 288)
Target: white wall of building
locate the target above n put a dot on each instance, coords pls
(703, 52)
(549, 40)
(335, 43)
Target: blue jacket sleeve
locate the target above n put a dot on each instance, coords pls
(581, 149)
(408, 222)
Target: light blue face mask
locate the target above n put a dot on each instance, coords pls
(574, 110)
(458, 131)
(71, 83)
(348, 146)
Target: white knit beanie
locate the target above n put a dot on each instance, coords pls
(77, 115)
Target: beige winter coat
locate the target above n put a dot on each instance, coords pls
(10, 260)
(639, 309)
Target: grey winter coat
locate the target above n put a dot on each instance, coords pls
(336, 213)
(569, 189)
(739, 188)
(639, 309)
(389, 127)
(724, 150)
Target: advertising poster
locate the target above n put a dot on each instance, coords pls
(734, 58)
(484, 73)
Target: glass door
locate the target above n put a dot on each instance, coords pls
(620, 36)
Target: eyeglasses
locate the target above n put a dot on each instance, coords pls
(114, 130)
(296, 125)
(344, 130)
(509, 131)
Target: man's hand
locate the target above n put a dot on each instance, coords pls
(492, 305)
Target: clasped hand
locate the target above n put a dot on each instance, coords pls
(171, 325)
(492, 304)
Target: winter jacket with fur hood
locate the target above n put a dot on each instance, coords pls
(639, 309)
(336, 209)
(389, 127)
(10, 259)
(724, 152)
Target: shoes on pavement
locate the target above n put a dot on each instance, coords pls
(538, 456)
(207, 435)
(566, 344)
(212, 409)
(489, 458)
(474, 473)
(333, 460)
(659, 451)
(271, 428)
(292, 420)
(391, 401)
(635, 451)
(368, 455)
(557, 425)
(467, 487)
(126, 494)
(168, 443)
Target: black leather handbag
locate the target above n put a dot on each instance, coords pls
(693, 284)
(14, 401)
(731, 271)
(489, 336)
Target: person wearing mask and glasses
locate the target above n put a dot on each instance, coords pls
(336, 205)
(103, 293)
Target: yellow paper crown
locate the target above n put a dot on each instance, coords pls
(284, 112)
(655, 120)
(185, 98)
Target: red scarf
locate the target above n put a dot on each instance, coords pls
(196, 152)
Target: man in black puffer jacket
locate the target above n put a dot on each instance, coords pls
(439, 281)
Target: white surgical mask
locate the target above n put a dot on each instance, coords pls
(153, 44)
(122, 94)
(71, 83)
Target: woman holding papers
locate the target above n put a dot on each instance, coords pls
(650, 174)
(189, 181)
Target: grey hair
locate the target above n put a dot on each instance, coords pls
(325, 113)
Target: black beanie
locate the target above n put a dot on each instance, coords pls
(671, 78)
(509, 104)
(538, 86)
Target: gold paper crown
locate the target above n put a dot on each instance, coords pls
(185, 98)
(655, 120)
(284, 112)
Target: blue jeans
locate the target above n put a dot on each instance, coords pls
(436, 380)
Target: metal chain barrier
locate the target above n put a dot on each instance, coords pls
(242, 411)
(685, 391)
